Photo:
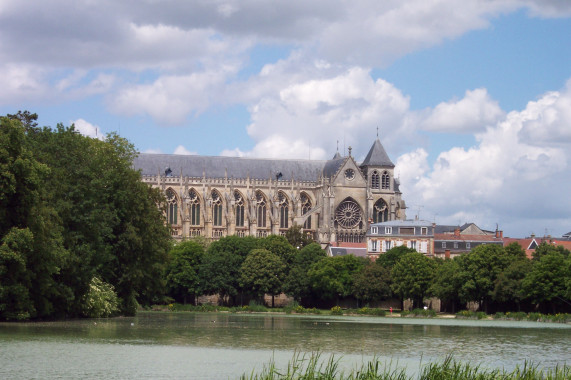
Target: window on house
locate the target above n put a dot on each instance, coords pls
(374, 246)
(388, 230)
(374, 230)
(406, 230)
(467, 245)
(424, 230)
(413, 244)
(456, 245)
(443, 244)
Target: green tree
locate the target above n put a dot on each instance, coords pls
(446, 283)
(100, 301)
(280, 246)
(297, 283)
(545, 248)
(412, 276)
(297, 238)
(546, 283)
(479, 270)
(182, 277)
(332, 277)
(220, 268)
(392, 256)
(508, 291)
(263, 272)
(373, 283)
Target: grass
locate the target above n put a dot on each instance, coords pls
(313, 367)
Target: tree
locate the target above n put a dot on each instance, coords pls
(412, 276)
(220, 267)
(182, 272)
(546, 283)
(446, 283)
(263, 272)
(508, 292)
(373, 283)
(100, 300)
(280, 246)
(392, 256)
(297, 283)
(332, 277)
(297, 238)
(479, 270)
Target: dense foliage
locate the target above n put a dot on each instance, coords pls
(76, 224)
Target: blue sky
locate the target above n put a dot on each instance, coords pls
(472, 98)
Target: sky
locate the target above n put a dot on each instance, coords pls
(470, 98)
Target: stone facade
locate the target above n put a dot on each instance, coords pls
(334, 200)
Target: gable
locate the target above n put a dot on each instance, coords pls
(349, 175)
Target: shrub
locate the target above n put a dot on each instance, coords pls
(100, 300)
(336, 310)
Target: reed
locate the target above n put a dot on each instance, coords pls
(314, 367)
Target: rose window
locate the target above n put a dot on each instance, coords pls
(348, 214)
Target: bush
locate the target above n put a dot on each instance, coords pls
(100, 300)
(428, 313)
(336, 310)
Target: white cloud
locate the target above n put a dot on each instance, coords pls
(88, 129)
(473, 113)
(182, 150)
(513, 172)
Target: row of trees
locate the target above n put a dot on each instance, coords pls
(497, 278)
(80, 234)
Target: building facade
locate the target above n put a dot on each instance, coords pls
(333, 200)
(415, 234)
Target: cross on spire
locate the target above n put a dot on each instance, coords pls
(377, 131)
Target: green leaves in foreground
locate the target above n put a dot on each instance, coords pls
(312, 367)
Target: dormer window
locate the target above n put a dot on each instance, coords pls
(374, 230)
(388, 230)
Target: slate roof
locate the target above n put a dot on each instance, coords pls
(236, 167)
(343, 251)
(377, 156)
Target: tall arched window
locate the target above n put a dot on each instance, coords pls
(261, 209)
(172, 207)
(239, 203)
(375, 180)
(380, 211)
(305, 208)
(216, 208)
(284, 209)
(386, 180)
(194, 207)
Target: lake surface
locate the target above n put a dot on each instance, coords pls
(166, 345)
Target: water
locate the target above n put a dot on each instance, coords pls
(223, 345)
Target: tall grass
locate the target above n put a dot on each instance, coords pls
(312, 367)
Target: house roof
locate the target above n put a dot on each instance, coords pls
(342, 251)
(377, 156)
(467, 238)
(404, 223)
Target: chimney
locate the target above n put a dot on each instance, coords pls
(457, 232)
(501, 234)
(447, 254)
(497, 233)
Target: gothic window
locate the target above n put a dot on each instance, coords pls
(194, 207)
(239, 209)
(261, 209)
(348, 214)
(216, 208)
(284, 209)
(386, 180)
(375, 180)
(172, 207)
(380, 211)
(305, 208)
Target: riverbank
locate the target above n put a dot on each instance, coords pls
(366, 311)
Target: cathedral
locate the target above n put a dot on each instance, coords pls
(333, 200)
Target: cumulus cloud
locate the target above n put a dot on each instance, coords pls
(182, 150)
(471, 114)
(88, 129)
(513, 172)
